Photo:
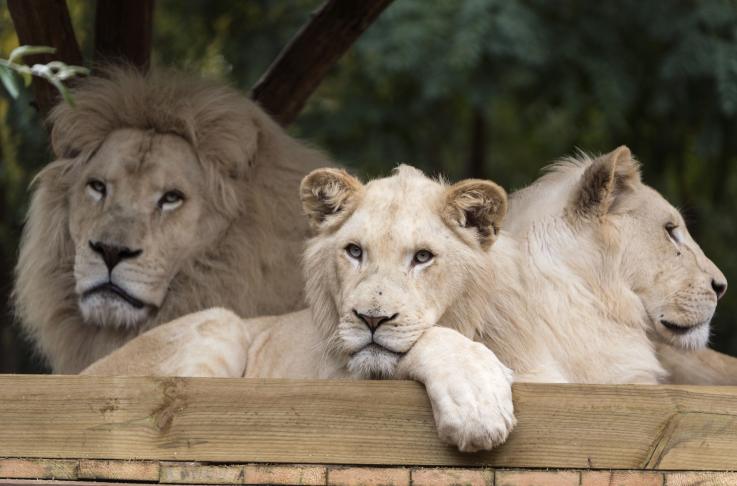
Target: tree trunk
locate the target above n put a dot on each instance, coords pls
(45, 23)
(123, 31)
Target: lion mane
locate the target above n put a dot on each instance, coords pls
(252, 170)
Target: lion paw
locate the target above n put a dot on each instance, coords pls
(472, 404)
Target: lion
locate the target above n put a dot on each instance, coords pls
(169, 194)
(610, 276)
(385, 301)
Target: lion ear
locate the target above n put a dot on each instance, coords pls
(328, 195)
(605, 183)
(478, 206)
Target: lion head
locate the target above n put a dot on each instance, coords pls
(169, 194)
(606, 224)
(392, 257)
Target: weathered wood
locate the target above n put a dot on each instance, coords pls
(347, 422)
(123, 31)
(283, 90)
(45, 23)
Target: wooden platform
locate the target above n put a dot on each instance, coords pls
(191, 430)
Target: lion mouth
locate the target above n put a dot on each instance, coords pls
(678, 329)
(375, 348)
(111, 288)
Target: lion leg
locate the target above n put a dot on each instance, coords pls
(212, 343)
(469, 388)
(700, 367)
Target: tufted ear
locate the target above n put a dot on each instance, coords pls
(328, 194)
(478, 206)
(605, 183)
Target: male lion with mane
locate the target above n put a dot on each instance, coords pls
(391, 261)
(169, 194)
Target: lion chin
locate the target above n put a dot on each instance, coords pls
(106, 308)
(689, 337)
(373, 362)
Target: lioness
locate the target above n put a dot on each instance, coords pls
(608, 270)
(170, 194)
(390, 262)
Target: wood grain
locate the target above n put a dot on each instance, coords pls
(351, 422)
(300, 67)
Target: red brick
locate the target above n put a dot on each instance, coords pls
(701, 478)
(448, 476)
(38, 468)
(118, 470)
(536, 478)
(286, 474)
(368, 476)
(621, 478)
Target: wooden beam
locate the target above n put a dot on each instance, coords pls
(290, 80)
(123, 31)
(352, 422)
(45, 23)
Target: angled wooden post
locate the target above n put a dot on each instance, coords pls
(290, 80)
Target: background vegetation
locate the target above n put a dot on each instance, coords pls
(484, 88)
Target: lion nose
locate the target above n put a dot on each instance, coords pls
(113, 254)
(373, 322)
(719, 287)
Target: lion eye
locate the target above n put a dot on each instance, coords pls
(673, 232)
(422, 256)
(171, 200)
(96, 189)
(354, 251)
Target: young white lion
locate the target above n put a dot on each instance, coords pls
(391, 261)
(607, 271)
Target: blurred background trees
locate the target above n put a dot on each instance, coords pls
(482, 88)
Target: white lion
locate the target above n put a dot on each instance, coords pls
(390, 262)
(170, 194)
(607, 273)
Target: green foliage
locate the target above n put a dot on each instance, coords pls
(55, 72)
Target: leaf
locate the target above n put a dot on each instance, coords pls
(27, 77)
(17, 54)
(8, 79)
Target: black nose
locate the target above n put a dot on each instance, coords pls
(373, 322)
(113, 254)
(719, 287)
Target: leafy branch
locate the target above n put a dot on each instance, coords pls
(55, 72)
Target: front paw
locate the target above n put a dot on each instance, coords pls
(472, 404)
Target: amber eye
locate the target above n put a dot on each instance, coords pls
(354, 251)
(422, 256)
(171, 200)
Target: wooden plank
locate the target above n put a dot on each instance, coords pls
(300, 67)
(364, 423)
